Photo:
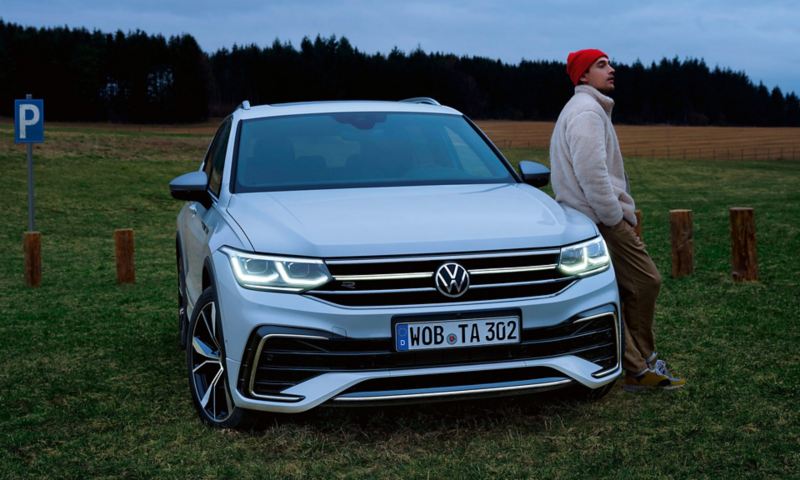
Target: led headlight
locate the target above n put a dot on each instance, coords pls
(284, 274)
(584, 258)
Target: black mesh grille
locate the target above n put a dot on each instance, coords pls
(284, 362)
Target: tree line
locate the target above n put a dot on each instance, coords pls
(138, 77)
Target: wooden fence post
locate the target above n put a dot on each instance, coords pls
(32, 246)
(743, 244)
(680, 225)
(638, 227)
(123, 249)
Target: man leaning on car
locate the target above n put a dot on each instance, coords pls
(588, 174)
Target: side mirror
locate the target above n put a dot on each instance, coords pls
(534, 173)
(190, 186)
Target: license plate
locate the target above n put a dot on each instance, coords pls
(456, 333)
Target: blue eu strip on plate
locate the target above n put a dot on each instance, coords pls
(401, 335)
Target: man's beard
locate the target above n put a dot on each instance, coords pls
(607, 90)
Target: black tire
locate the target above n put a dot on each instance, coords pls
(205, 360)
(183, 318)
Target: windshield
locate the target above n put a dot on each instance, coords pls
(340, 150)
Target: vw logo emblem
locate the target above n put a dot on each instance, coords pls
(452, 280)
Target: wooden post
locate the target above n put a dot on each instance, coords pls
(743, 244)
(123, 249)
(638, 227)
(680, 225)
(32, 245)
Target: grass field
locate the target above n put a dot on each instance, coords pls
(92, 384)
(667, 141)
(641, 141)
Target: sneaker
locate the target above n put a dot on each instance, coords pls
(656, 378)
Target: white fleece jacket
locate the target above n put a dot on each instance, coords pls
(587, 171)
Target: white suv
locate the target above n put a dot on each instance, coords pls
(367, 252)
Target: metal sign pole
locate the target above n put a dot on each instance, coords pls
(31, 205)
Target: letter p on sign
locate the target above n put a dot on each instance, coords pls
(28, 121)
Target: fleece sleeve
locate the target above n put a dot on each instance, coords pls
(587, 144)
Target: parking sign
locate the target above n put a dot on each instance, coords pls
(29, 121)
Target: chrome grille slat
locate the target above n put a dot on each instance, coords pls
(517, 284)
(496, 271)
(372, 292)
(455, 256)
(388, 276)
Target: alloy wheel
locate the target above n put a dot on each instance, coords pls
(209, 379)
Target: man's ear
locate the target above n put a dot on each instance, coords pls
(583, 79)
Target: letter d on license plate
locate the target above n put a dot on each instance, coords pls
(456, 333)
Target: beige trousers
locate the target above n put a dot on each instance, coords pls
(639, 282)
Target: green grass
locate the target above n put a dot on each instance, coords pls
(92, 384)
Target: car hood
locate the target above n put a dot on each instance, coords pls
(406, 220)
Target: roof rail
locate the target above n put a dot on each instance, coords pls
(425, 100)
(245, 105)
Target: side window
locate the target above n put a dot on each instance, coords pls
(208, 161)
(215, 161)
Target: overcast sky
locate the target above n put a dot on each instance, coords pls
(761, 38)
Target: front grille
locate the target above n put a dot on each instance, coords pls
(397, 281)
(281, 362)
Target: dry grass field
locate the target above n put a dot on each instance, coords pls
(666, 141)
(647, 141)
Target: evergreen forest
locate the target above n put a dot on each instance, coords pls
(139, 77)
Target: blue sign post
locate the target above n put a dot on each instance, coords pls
(29, 129)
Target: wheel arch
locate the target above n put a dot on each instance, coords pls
(178, 247)
(208, 274)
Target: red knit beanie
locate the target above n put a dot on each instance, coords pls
(580, 61)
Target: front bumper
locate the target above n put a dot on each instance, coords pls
(250, 316)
